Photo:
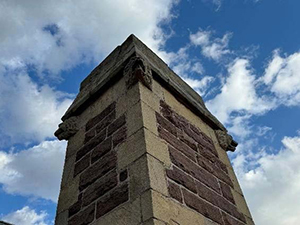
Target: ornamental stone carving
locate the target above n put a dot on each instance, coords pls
(67, 129)
(136, 70)
(226, 141)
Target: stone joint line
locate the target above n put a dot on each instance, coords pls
(101, 188)
(198, 178)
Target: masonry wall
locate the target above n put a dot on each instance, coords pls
(140, 156)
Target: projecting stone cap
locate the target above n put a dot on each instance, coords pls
(67, 129)
(226, 141)
(137, 63)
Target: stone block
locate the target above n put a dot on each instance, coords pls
(119, 136)
(101, 149)
(68, 171)
(157, 148)
(82, 164)
(167, 210)
(157, 175)
(226, 192)
(127, 213)
(182, 178)
(139, 177)
(193, 169)
(176, 143)
(202, 207)
(100, 188)
(86, 148)
(97, 170)
(97, 119)
(68, 195)
(115, 198)
(118, 123)
(175, 191)
(241, 204)
(131, 150)
(84, 217)
(62, 218)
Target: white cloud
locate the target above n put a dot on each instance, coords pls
(28, 112)
(58, 35)
(200, 85)
(26, 216)
(282, 75)
(212, 48)
(238, 94)
(272, 185)
(35, 171)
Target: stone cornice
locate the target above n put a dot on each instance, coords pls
(111, 69)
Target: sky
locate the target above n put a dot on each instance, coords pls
(241, 56)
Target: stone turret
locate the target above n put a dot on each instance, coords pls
(144, 149)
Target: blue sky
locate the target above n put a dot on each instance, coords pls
(241, 56)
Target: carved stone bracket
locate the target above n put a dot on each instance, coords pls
(226, 141)
(137, 69)
(67, 129)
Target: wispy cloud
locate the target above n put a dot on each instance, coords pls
(212, 48)
(26, 216)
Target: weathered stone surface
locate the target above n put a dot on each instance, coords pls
(82, 164)
(156, 171)
(182, 178)
(112, 200)
(137, 69)
(101, 149)
(100, 187)
(76, 207)
(228, 220)
(91, 144)
(218, 200)
(191, 168)
(202, 207)
(174, 191)
(97, 170)
(187, 140)
(116, 125)
(85, 217)
(226, 191)
(166, 124)
(119, 136)
(106, 121)
(177, 143)
(89, 135)
(92, 122)
(128, 213)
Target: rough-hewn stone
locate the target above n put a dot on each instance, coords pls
(174, 191)
(226, 191)
(111, 201)
(85, 217)
(97, 170)
(91, 144)
(182, 178)
(92, 122)
(101, 149)
(82, 164)
(116, 125)
(202, 207)
(100, 187)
